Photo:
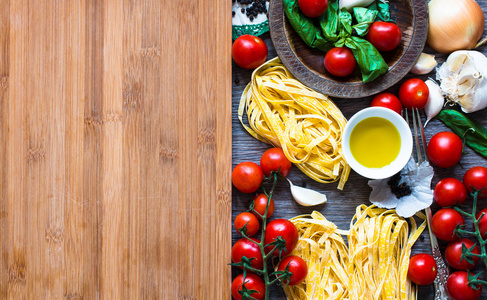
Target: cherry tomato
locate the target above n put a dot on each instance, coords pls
(244, 247)
(260, 202)
(444, 222)
(422, 269)
(313, 8)
(272, 160)
(247, 177)
(284, 229)
(339, 61)
(414, 93)
(384, 36)
(449, 192)
(248, 219)
(252, 282)
(249, 51)
(459, 289)
(387, 100)
(482, 222)
(297, 266)
(453, 254)
(476, 177)
(445, 149)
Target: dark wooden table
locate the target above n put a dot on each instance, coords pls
(341, 205)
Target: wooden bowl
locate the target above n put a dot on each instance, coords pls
(306, 64)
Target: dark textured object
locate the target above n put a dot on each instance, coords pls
(307, 66)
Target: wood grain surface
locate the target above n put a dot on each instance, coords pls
(115, 149)
(341, 205)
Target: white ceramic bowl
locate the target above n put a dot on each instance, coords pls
(406, 143)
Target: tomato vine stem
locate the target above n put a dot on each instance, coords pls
(265, 272)
(482, 242)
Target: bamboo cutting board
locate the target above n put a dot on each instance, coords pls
(115, 149)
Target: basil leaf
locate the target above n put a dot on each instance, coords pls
(382, 8)
(305, 27)
(369, 60)
(336, 30)
(364, 18)
(329, 22)
(475, 134)
(346, 23)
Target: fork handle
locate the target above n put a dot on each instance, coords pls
(441, 278)
(443, 271)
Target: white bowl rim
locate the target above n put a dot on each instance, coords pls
(404, 133)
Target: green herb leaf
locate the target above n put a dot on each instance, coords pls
(336, 26)
(329, 22)
(336, 30)
(305, 27)
(364, 18)
(370, 62)
(382, 8)
(475, 134)
(346, 23)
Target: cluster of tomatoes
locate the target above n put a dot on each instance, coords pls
(280, 236)
(445, 224)
(413, 93)
(339, 61)
(444, 148)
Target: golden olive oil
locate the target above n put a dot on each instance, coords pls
(375, 142)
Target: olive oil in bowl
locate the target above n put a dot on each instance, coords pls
(375, 142)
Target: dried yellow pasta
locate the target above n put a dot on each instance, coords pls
(373, 266)
(307, 125)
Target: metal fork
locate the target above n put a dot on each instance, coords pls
(443, 271)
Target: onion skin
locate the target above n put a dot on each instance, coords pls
(454, 25)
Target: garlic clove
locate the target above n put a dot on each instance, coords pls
(457, 60)
(474, 98)
(306, 197)
(435, 101)
(425, 64)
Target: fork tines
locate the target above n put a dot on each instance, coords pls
(418, 132)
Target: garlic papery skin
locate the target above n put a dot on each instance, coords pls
(306, 197)
(463, 79)
(435, 101)
(425, 64)
(454, 25)
(349, 4)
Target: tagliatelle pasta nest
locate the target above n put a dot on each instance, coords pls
(307, 125)
(374, 265)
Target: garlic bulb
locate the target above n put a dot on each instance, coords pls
(425, 64)
(349, 4)
(435, 100)
(306, 197)
(463, 79)
(454, 25)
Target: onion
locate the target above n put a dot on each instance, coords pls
(454, 25)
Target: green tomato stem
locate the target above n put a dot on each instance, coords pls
(265, 256)
(264, 272)
(476, 233)
(462, 231)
